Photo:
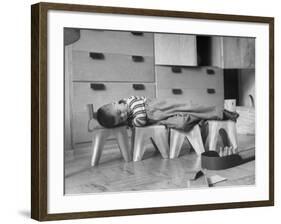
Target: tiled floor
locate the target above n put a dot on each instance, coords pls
(152, 173)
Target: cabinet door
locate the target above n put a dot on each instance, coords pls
(233, 52)
(175, 49)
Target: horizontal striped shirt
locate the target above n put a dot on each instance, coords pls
(136, 111)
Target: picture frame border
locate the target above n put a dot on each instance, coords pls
(39, 108)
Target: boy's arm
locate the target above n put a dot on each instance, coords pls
(139, 121)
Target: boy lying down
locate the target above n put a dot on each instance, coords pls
(139, 111)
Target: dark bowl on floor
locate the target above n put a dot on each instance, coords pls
(212, 161)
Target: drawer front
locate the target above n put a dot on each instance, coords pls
(200, 77)
(175, 49)
(83, 94)
(196, 96)
(122, 42)
(111, 67)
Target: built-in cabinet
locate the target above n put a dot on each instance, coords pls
(232, 52)
(105, 66)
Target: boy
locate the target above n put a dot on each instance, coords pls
(138, 111)
(129, 111)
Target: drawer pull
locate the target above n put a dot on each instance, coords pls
(136, 58)
(136, 33)
(96, 56)
(177, 91)
(138, 87)
(97, 86)
(176, 69)
(210, 72)
(211, 91)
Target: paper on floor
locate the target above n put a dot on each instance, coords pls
(215, 179)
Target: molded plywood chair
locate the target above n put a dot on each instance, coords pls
(214, 131)
(177, 138)
(101, 134)
(98, 140)
(157, 133)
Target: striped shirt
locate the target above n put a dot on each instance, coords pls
(136, 111)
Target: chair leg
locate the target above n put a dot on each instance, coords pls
(176, 142)
(122, 140)
(98, 142)
(212, 138)
(232, 135)
(161, 140)
(138, 146)
(195, 139)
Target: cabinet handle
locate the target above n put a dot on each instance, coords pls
(96, 55)
(211, 91)
(177, 91)
(138, 87)
(97, 86)
(210, 72)
(136, 33)
(176, 69)
(136, 58)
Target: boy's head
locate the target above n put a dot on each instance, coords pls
(113, 114)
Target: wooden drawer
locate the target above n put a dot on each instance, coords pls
(83, 94)
(199, 77)
(122, 42)
(175, 49)
(112, 67)
(196, 96)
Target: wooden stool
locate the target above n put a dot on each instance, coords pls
(159, 135)
(99, 137)
(177, 138)
(213, 134)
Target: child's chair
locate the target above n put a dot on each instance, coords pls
(157, 133)
(214, 128)
(101, 134)
(177, 138)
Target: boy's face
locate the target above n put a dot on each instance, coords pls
(120, 111)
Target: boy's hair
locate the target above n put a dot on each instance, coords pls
(105, 116)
